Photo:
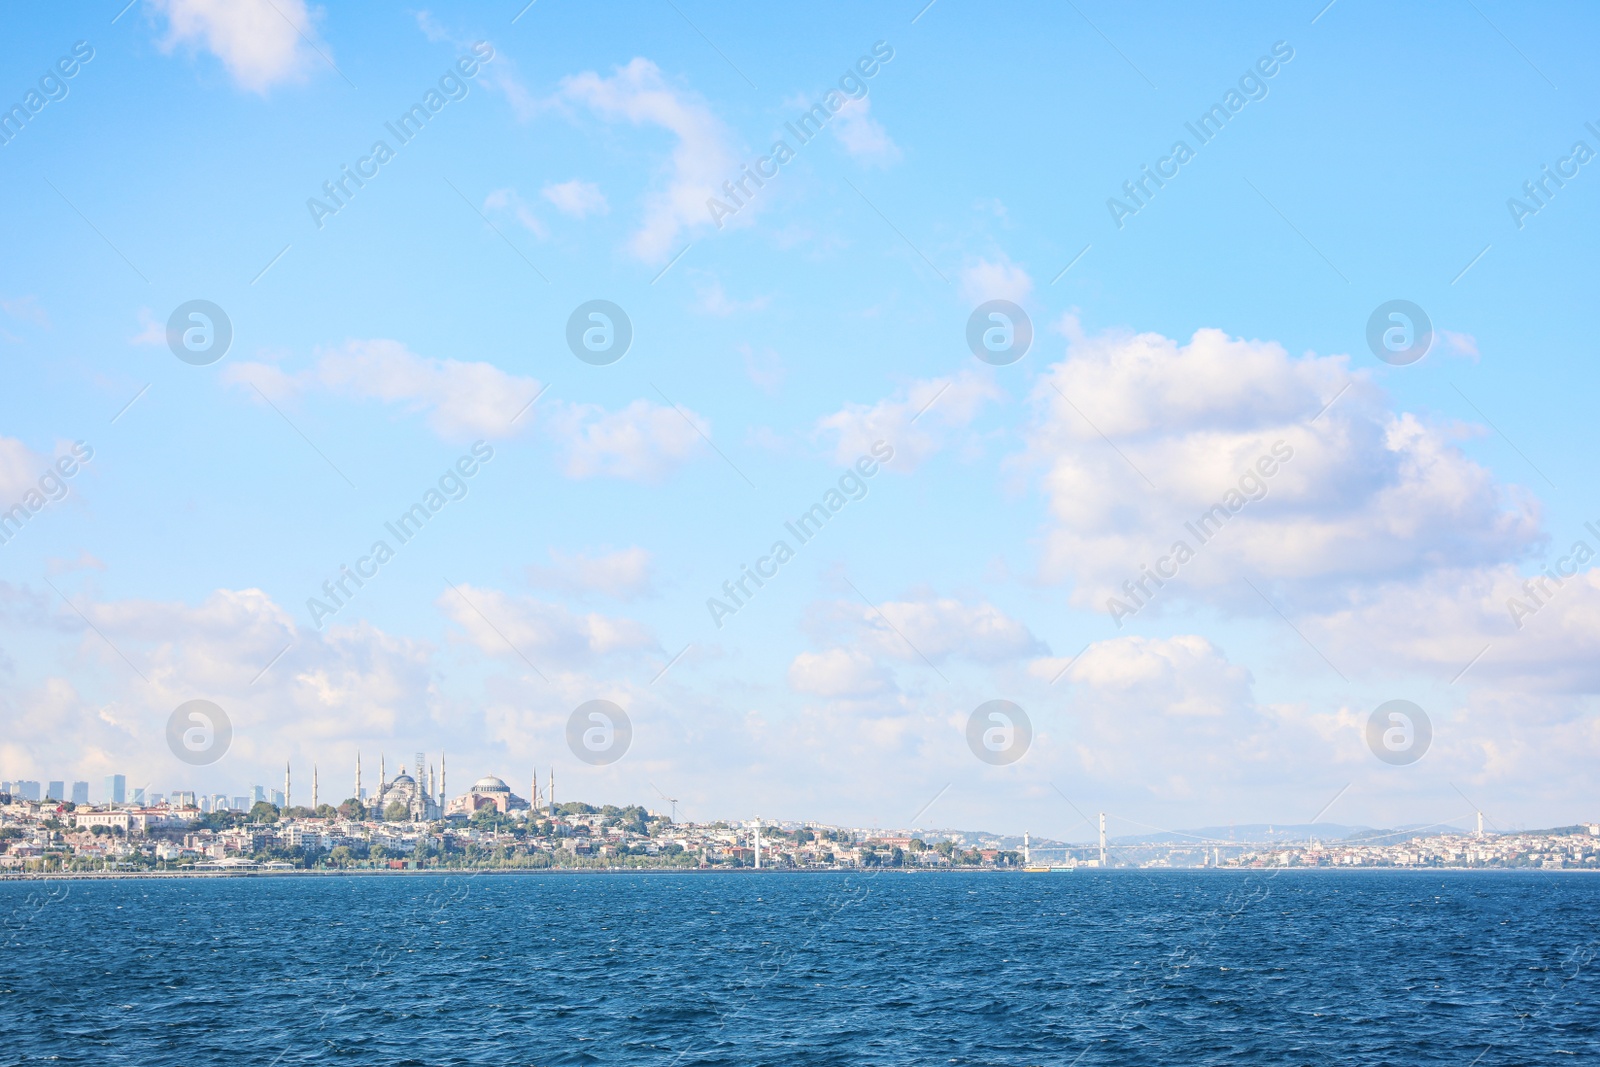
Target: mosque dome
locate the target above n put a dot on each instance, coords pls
(490, 784)
(403, 778)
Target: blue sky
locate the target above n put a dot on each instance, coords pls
(372, 351)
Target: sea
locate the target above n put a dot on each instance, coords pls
(1460, 968)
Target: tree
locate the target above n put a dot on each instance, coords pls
(261, 811)
(353, 809)
(327, 811)
(340, 856)
(396, 812)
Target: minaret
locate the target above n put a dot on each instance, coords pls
(552, 792)
(443, 798)
(358, 776)
(1027, 860)
(383, 773)
(314, 804)
(287, 803)
(758, 843)
(533, 797)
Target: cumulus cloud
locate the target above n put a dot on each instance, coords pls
(939, 628)
(838, 673)
(626, 574)
(20, 468)
(1140, 435)
(701, 160)
(863, 136)
(261, 42)
(462, 400)
(579, 199)
(643, 442)
(916, 422)
(508, 200)
(549, 635)
(997, 279)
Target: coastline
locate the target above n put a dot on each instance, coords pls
(78, 876)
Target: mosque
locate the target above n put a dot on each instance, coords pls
(423, 803)
(424, 797)
(487, 792)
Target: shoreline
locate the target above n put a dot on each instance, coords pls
(76, 876)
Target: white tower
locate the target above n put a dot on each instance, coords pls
(1102, 839)
(758, 843)
(287, 802)
(313, 787)
(1027, 855)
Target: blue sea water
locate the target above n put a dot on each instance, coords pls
(1089, 968)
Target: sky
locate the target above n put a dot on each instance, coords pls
(277, 275)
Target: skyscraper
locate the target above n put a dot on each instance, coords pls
(56, 791)
(80, 792)
(116, 789)
(26, 790)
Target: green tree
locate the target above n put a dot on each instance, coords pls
(396, 812)
(261, 811)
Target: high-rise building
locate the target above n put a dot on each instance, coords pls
(241, 803)
(26, 790)
(258, 795)
(56, 791)
(182, 798)
(80, 792)
(138, 796)
(116, 789)
(277, 798)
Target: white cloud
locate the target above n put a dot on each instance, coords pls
(508, 200)
(764, 368)
(1368, 493)
(714, 299)
(261, 42)
(152, 332)
(576, 198)
(998, 279)
(625, 574)
(838, 673)
(862, 135)
(26, 308)
(916, 423)
(20, 468)
(642, 442)
(940, 628)
(462, 400)
(701, 160)
(548, 634)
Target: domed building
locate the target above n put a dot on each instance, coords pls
(487, 792)
(420, 802)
